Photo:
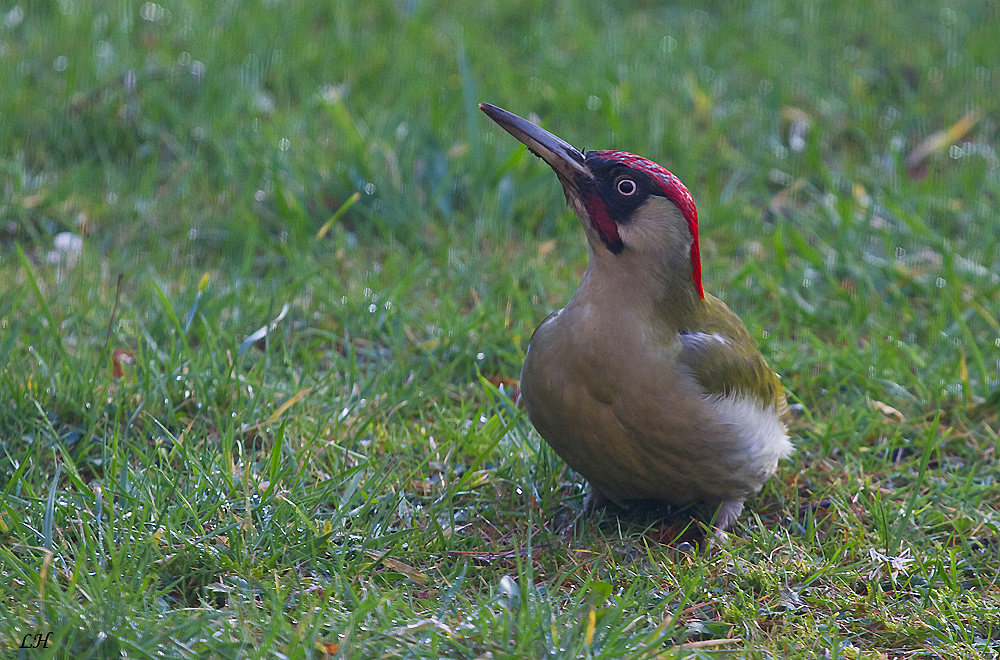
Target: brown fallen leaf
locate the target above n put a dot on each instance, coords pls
(399, 567)
(886, 410)
(939, 141)
(119, 357)
(707, 643)
(328, 648)
(545, 248)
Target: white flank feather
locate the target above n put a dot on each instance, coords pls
(760, 429)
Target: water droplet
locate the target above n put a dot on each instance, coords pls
(370, 188)
(259, 195)
(372, 308)
(150, 11)
(68, 242)
(480, 356)
(61, 63)
(940, 282)
(797, 140)
(284, 144)
(14, 17)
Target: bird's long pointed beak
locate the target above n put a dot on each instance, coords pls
(567, 161)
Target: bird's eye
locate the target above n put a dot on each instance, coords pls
(627, 186)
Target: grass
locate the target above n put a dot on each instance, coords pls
(353, 481)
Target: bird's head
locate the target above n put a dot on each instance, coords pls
(628, 204)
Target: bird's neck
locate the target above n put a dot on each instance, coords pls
(656, 285)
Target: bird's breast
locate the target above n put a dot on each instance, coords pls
(610, 395)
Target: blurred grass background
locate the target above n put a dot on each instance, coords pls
(351, 481)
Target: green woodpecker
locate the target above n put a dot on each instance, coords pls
(647, 386)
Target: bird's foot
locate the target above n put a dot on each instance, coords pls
(726, 515)
(594, 500)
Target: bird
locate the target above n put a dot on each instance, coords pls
(648, 387)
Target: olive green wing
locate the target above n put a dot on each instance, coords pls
(724, 359)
